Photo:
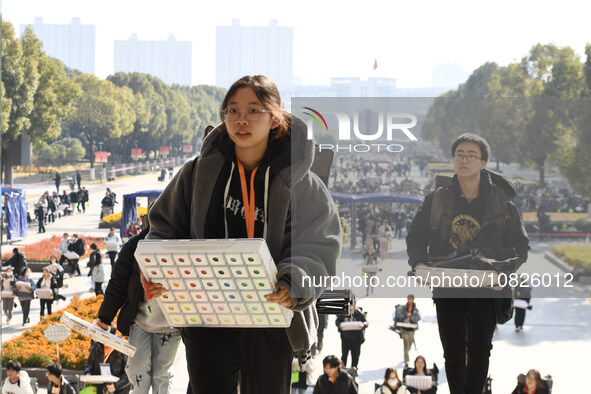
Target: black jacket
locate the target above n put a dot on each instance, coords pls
(125, 289)
(353, 335)
(541, 390)
(117, 361)
(343, 385)
(18, 262)
(501, 223)
(66, 387)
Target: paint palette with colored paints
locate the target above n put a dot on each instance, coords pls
(215, 283)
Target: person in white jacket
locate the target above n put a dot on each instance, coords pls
(98, 271)
(17, 381)
(114, 243)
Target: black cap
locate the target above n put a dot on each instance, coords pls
(411, 296)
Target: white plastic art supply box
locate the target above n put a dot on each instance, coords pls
(98, 334)
(214, 283)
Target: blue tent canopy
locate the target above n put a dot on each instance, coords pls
(129, 213)
(15, 203)
(378, 198)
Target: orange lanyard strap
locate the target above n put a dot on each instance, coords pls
(249, 207)
(108, 352)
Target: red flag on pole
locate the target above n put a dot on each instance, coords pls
(375, 64)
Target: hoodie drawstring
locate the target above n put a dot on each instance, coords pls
(226, 197)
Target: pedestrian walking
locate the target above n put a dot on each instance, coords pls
(113, 242)
(25, 292)
(521, 303)
(40, 214)
(352, 331)
(406, 316)
(97, 270)
(46, 282)
(78, 178)
(8, 293)
(57, 179)
(334, 380)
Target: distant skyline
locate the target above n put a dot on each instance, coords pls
(333, 39)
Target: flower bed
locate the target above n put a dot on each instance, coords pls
(116, 217)
(575, 256)
(42, 250)
(32, 350)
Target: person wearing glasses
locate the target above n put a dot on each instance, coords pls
(474, 209)
(253, 179)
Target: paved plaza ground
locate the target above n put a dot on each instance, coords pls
(556, 339)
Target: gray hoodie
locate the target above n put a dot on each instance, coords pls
(304, 234)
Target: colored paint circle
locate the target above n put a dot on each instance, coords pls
(164, 260)
(250, 259)
(176, 319)
(194, 320)
(204, 272)
(215, 296)
(244, 284)
(226, 284)
(276, 320)
(236, 308)
(261, 284)
(198, 296)
(181, 260)
(215, 259)
(233, 260)
(147, 260)
(209, 319)
(272, 308)
(220, 308)
(259, 320)
(226, 320)
(153, 272)
(175, 284)
(170, 272)
(182, 297)
(209, 284)
(249, 297)
(193, 284)
(171, 308)
(232, 296)
(256, 272)
(239, 272)
(188, 308)
(187, 272)
(254, 308)
(221, 272)
(204, 308)
(197, 259)
(165, 296)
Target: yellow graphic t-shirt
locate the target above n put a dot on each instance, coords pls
(464, 228)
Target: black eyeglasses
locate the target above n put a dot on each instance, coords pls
(470, 158)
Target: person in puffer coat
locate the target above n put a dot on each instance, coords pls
(253, 179)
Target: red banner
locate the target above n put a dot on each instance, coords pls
(164, 150)
(187, 148)
(136, 153)
(101, 157)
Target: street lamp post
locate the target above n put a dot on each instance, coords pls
(136, 157)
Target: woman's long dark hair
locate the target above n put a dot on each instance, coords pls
(268, 94)
(387, 375)
(537, 376)
(425, 361)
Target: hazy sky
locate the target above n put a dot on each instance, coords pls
(333, 38)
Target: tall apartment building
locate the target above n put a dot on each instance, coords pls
(73, 44)
(169, 60)
(243, 50)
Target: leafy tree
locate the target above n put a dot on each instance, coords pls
(64, 151)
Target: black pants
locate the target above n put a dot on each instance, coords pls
(112, 256)
(75, 267)
(466, 326)
(62, 260)
(350, 345)
(45, 303)
(26, 305)
(519, 317)
(98, 288)
(220, 358)
(41, 226)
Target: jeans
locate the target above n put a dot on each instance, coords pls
(519, 317)
(151, 365)
(75, 267)
(351, 345)
(26, 306)
(112, 256)
(408, 337)
(45, 303)
(466, 325)
(98, 288)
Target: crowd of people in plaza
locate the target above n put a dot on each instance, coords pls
(251, 147)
